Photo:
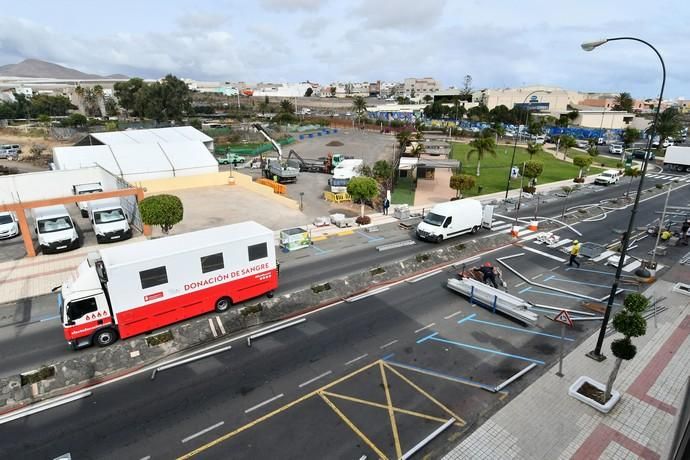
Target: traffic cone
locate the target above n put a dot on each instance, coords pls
(515, 231)
(533, 225)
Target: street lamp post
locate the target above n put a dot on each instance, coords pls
(512, 160)
(596, 353)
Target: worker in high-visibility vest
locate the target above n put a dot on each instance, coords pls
(574, 251)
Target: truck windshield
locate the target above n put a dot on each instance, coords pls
(6, 219)
(84, 192)
(54, 225)
(61, 305)
(434, 219)
(339, 182)
(111, 215)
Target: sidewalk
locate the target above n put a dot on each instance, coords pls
(544, 422)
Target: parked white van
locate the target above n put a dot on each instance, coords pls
(109, 220)
(82, 189)
(9, 227)
(453, 218)
(55, 229)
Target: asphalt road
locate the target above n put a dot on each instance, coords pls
(31, 335)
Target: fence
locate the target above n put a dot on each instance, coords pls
(337, 197)
(277, 188)
(323, 132)
(251, 151)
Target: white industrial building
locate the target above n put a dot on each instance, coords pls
(140, 155)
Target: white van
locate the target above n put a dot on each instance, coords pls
(82, 189)
(9, 227)
(55, 229)
(453, 218)
(109, 220)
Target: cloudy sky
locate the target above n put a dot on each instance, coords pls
(500, 43)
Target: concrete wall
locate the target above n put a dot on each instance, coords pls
(247, 182)
(51, 184)
(606, 120)
(184, 182)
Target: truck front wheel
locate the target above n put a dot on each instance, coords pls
(223, 304)
(105, 337)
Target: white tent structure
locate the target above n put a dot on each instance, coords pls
(148, 136)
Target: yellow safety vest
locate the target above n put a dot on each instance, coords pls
(575, 250)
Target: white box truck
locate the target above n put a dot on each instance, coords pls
(129, 289)
(55, 229)
(454, 218)
(109, 221)
(346, 170)
(83, 189)
(677, 158)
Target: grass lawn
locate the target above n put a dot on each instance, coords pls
(599, 160)
(403, 192)
(494, 169)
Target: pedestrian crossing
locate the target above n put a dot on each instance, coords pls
(669, 177)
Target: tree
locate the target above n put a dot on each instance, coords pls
(623, 102)
(309, 92)
(593, 151)
(466, 91)
(110, 107)
(359, 105)
(126, 93)
(669, 125)
(362, 189)
(532, 170)
(461, 182)
(44, 119)
(195, 123)
(176, 98)
(287, 107)
(630, 135)
(163, 210)
(75, 120)
(567, 142)
(582, 162)
(333, 91)
(480, 147)
(382, 172)
(533, 149)
(478, 113)
(404, 139)
(427, 98)
(417, 149)
(629, 322)
(632, 173)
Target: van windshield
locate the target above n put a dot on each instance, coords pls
(339, 182)
(111, 215)
(434, 219)
(92, 190)
(54, 225)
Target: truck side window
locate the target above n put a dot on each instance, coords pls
(79, 308)
(153, 277)
(257, 251)
(446, 224)
(212, 263)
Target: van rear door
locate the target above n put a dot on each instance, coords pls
(488, 216)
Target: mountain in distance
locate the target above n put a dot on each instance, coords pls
(35, 68)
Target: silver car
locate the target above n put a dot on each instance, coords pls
(9, 153)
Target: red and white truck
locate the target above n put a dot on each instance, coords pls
(122, 291)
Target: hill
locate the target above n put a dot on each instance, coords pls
(42, 69)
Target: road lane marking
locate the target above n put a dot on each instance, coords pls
(560, 243)
(424, 339)
(450, 378)
(213, 329)
(391, 414)
(388, 356)
(204, 431)
(304, 384)
(524, 331)
(357, 359)
(467, 318)
(425, 327)
(263, 403)
(519, 284)
(424, 276)
(386, 345)
(536, 276)
(536, 251)
(220, 325)
(452, 314)
(352, 426)
(488, 350)
(367, 294)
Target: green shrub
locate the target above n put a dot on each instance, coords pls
(252, 309)
(158, 339)
(163, 210)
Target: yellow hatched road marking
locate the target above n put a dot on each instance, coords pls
(431, 398)
(391, 414)
(239, 430)
(353, 427)
(383, 406)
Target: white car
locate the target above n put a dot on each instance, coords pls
(8, 225)
(582, 144)
(616, 149)
(608, 177)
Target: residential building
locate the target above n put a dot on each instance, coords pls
(606, 119)
(417, 88)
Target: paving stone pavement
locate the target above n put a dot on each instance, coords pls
(544, 422)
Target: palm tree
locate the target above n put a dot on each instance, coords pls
(499, 130)
(480, 147)
(669, 125)
(417, 149)
(567, 142)
(632, 173)
(359, 105)
(623, 102)
(427, 98)
(404, 139)
(533, 149)
(99, 99)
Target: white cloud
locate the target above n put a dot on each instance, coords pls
(292, 5)
(201, 21)
(409, 15)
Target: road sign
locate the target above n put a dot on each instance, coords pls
(564, 317)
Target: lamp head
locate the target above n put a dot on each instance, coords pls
(589, 46)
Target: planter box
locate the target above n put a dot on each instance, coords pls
(604, 408)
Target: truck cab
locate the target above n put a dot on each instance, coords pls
(83, 189)
(54, 229)
(110, 222)
(84, 309)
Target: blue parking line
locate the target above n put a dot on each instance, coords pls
(487, 350)
(528, 288)
(525, 331)
(473, 383)
(371, 238)
(376, 240)
(596, 271)
(387, 357)
(320, 251)
(424, 339)
(467, 318)
(49, 318)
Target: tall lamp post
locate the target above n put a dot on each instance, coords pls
(512, 160)
(596, 353)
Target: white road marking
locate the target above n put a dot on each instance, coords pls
(520, 284)
(220, 325)
(603, 255)
(367, 294)
(386, 345)
(148, 457)
(632, 266)
(269, 400)
(424, 276)
(501, 227)
(530, 237)
(425, 327)
(304, 384)
(536, 276)
(357, 359)
(560, 243)
(199, 433)
(213, 328)
(452, 314)
(544, 254)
